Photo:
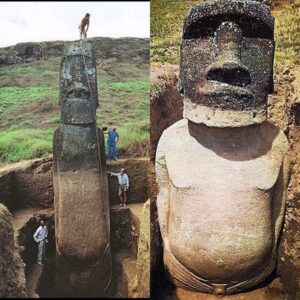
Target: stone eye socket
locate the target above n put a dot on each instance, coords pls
(251, 27)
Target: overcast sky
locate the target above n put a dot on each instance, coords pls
(47, 21)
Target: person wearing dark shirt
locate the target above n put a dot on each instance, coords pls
(112, 140)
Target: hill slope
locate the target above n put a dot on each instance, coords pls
(29, 86)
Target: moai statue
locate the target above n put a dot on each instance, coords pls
(82, 224)
(222, 171)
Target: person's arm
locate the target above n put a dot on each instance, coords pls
(46, 235)
(117, 138)
(35, 235)
(113, 174)
(87, 25)
(127, 182)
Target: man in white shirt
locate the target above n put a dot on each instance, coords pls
(123, 185)
(40, 237)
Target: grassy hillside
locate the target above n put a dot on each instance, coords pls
(166, 28)
(29, 110)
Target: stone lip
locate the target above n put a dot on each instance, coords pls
(77, 111)
(206, 11)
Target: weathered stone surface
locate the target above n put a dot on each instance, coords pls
(143, 256)
(83, 259)
(223, 83)
(224, 168)
(223, 218)
(12, 281)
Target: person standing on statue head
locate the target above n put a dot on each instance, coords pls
(112, 140)
(123, 185)
(85, 22)
(40, 237)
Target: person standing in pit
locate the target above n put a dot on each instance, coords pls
(40, 236)
(123, 185)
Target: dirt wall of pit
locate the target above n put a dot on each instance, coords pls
(284, 112)
(166, 105)
(12, 279)
(30, 183)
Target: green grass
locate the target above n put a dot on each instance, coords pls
(29, 104)
(18, 144)
(13, 97)
(287, 28)
(166, 29)
(133, 133)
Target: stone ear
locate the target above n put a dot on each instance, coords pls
(180, 86)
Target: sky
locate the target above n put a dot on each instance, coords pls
(48, 21)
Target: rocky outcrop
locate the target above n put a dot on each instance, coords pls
(12, 280)
(134, 49)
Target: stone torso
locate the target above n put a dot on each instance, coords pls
(220, 219)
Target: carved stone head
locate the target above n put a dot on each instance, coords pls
(78, 84)
(226, 65)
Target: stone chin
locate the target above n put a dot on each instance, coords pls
(221, 117)
(77, 111)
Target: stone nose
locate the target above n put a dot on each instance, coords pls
(228, 67)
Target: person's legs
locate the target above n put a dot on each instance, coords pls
(115, 153)
(44, 251)
(125, 197)
(109, 152)
(40, 252)
(121, 196)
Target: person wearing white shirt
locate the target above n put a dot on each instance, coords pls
(123, 185)
(40, 236)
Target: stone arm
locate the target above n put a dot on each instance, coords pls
(163, 196)
(87, 25)
(279, 197)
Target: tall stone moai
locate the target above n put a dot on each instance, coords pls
(82, 224)
(222, 171)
